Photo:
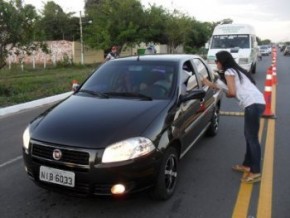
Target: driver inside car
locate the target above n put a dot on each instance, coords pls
(125, 83)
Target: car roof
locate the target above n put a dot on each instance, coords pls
(160, 57)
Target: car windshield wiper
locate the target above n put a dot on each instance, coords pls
(99, 94)
(129, 94)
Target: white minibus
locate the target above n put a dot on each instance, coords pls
(240, 40)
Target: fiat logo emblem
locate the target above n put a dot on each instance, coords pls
(56, 154)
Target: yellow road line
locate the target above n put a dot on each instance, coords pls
(230, 113)
(265, 197)
(264, 209)
(244, 196)
(266, 188)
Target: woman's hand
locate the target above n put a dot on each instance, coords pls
(208, 83)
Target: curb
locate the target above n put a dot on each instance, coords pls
(36, 103)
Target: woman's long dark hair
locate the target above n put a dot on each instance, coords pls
(227, 61)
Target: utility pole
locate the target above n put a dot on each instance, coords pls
(81, 36)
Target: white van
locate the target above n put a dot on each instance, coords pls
(240, 40)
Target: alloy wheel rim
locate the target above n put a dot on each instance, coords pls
(170, 172)
(216, 121)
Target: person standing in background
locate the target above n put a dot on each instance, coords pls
(112, 54)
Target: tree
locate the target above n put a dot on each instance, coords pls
(115, 22)
(55, 24)
(265, 42)
(91, 3)
(154, 25)
(177, 29)
(259, 40)
(226, 21)
(198, 35)
(17, 24)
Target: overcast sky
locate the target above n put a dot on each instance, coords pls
(271, 18)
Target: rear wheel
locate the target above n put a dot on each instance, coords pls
(167, 177)
(215, 121)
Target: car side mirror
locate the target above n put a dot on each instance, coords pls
(193, 94)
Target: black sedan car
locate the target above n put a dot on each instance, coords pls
(125, 128)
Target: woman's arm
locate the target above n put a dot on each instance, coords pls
(231, 87)
(210, 84)
(231, 93)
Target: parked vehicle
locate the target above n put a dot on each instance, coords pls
(240, 40)
(125, 128)
(282, 48)
(264, 49)
(287, 50)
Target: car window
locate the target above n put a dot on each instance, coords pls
(151, 78)
(188, 77)
(230, 41)
(201, 69)
(191, 83)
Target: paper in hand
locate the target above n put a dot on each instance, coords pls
(221, 85)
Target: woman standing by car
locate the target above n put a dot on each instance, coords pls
(240, 85)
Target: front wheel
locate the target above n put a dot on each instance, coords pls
(253, 69)
(167, 177)
(215, 121)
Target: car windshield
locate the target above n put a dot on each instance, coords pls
(230, 41)
(146, 80)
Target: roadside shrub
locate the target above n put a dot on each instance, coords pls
(18, 86)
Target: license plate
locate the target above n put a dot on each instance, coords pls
(56, 176)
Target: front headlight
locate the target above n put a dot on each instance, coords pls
(127, 149)
(26, 139)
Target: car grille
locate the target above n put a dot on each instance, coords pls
(68, 156)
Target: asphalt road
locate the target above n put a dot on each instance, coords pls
(207, 186)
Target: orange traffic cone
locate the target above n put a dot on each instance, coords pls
(268, 95)
(274, 74)
(274, 70)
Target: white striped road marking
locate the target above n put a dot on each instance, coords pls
(10, 161)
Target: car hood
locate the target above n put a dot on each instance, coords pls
(89, 122)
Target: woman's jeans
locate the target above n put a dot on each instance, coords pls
(252, 159)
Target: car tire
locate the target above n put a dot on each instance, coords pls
(253, 69)
(214, 124)
(167, 176)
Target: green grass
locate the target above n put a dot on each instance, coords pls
(18, 86)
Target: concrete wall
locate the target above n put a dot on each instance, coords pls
(59, 51)
(90, 55)
(68, 51)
